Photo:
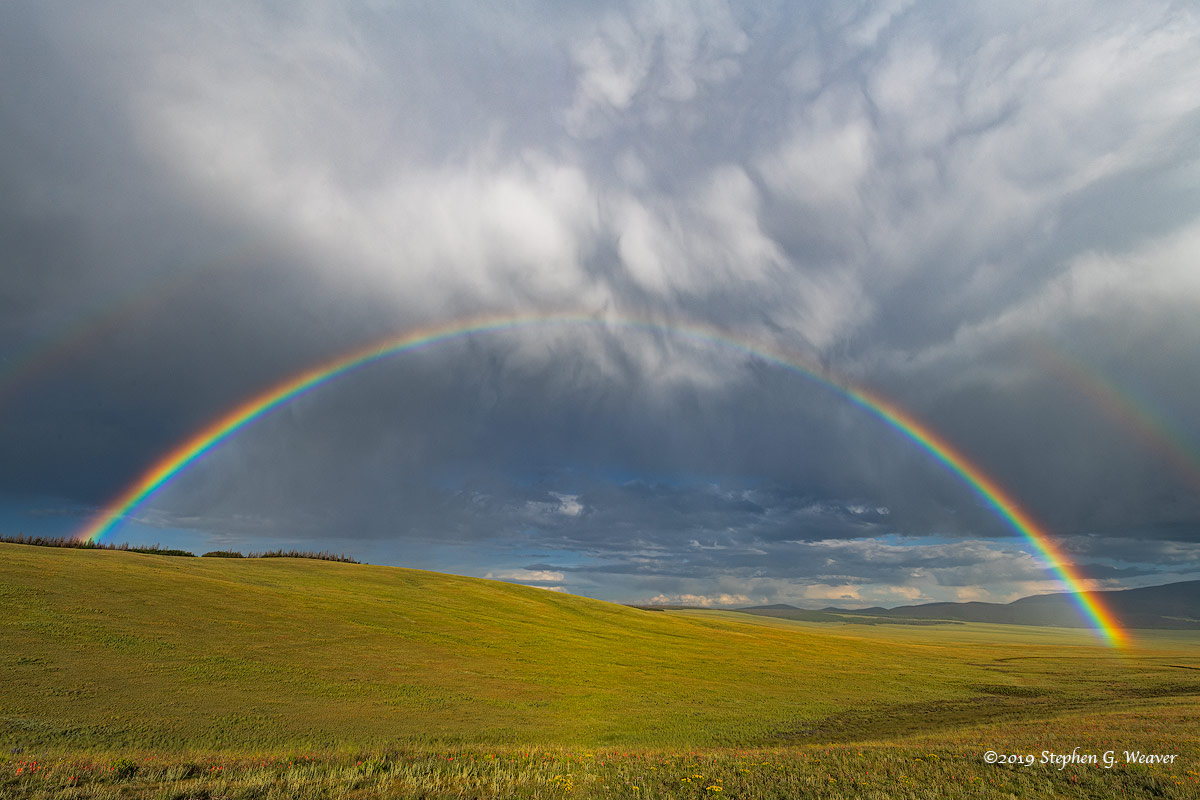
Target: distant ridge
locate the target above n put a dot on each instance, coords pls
(1173, 606)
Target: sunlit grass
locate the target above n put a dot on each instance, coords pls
(207, 675)
(946, 766)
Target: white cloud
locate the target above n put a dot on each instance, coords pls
(911, 594)
(569, 505)
(1157, 278)
(662, 54)
(714, 546)
(705, 601)
(529, 576)
(563, 505)
(916, 92)
(827, 154)
(872, 20)
(829, 593)
(698, 243)
(929, 150)
(613, 63)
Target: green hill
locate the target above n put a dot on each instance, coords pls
(1172, 606)
(107, 649)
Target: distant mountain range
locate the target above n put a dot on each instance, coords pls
(1171, 606)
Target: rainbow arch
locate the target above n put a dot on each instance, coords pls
(222, 428)
(43, 357)
(1120, 406)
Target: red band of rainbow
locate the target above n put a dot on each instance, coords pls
(209, 437)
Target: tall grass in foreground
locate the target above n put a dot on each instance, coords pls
(942, 765)
(832, 773)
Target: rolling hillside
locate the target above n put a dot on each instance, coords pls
(113, 649)
(1173, 606)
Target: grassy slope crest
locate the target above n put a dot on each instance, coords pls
(109, 649)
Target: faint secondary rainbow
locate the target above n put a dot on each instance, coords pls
(44, 357)
(225, 426)
(1121, 407)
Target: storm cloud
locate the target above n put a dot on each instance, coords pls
(987, 214)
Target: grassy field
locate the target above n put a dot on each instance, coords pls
(132, 675)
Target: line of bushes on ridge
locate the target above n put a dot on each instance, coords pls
(66, 541)
(83, 544)
(323, 555)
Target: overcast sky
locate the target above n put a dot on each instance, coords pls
(987, 213)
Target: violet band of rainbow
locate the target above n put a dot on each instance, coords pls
(225, 426)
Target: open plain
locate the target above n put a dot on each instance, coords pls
(133, 675)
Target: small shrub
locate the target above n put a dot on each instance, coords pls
(223, 554)
(123, 768)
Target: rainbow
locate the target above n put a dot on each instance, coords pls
(42, 358)
(225, 426)
(1119, 406)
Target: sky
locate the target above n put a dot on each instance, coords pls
(987, 214)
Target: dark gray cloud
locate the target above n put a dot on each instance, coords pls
(988, 215)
